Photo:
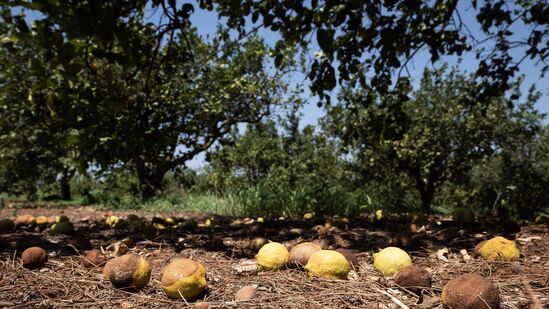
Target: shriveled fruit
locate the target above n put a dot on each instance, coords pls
(391, 260)
(6, 226)
(94, 258)
(129, 270)
(34, 257)
(246, 293)
(328, 264)
(256, 243)
(63, 227)
(463, 217)
(299, 255)
(500, 249)
(350, 256)
(272, 256)
(470, 291)
(184, 278)
(413, 278)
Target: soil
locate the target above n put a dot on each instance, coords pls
(444, 249)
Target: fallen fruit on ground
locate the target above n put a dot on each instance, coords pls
(328, 264)
(129, 270)
(41, 220)
(499, 249)
(413, 278)
(184, 278)
(478, 246)
(63, 227)
(6, 226)
(391, 260)
(350, 256)
(34, 257)
(463, 217)
(256, 243)
(112, 220)
(308, 216)
(246, 293)
(299, 255)
(94, 258)
(470, 291)
(62, 218)
(272, 256)
(25, 220)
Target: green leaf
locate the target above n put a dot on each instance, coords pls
(325, 39)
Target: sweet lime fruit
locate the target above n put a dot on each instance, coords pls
(499, 249)
(328, 264)
(391, 260)
(184, 278)
(272, 256)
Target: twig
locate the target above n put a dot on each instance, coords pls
(394, 299)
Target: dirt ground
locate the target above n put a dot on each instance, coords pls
(224, 248)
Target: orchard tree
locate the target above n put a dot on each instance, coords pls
(148, 97)
(34, 149)
(438, 137)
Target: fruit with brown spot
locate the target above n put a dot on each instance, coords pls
(413, 278)
(470, 291)
(94, 258)
(34, 257)
(128, 271)
(299, 255)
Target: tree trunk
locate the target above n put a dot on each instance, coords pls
(427, 195)
(65, 190)
(150, 178)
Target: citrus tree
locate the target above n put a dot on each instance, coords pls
(438, 137)
(144, 96)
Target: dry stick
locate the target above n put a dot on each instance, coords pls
(395, 300)
(535, 303)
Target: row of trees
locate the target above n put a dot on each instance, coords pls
(446, 149)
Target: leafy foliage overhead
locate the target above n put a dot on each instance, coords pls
(371, 42)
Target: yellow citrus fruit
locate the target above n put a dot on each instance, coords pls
(129, 270)
(391, 260)
(184, 278)
(112, 220)
(272, 256)
(328, 264)
(41, 220)
(500, 248)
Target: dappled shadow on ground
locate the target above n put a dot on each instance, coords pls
(224, 243)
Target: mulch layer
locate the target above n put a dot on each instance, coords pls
(446, 250)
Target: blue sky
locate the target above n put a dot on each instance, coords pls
(206, 23)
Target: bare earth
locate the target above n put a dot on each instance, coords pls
(224, 250)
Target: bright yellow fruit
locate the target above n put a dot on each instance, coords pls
(500, 249)
(184, 278)
(391, 260)
(41, 220)
(272, 256)
(308, 216)
(112, 220)
(328, 264)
